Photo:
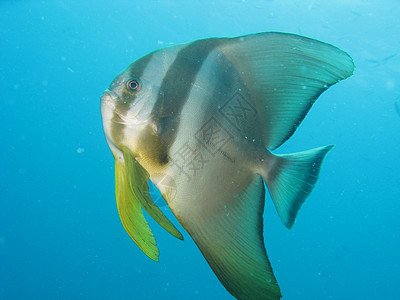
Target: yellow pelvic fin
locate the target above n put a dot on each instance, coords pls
(138, 182)
(131, 189)
(131, 214)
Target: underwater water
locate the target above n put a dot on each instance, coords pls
(60, 233)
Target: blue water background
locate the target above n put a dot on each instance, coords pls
(60, 233)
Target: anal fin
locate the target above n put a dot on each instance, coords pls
(231, 240)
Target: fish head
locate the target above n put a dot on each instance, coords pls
(127, 107)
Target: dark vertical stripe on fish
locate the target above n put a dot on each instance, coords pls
(175, 89)
(136, 69)
(117, 124)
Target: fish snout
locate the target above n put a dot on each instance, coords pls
(108, 104)
(107, 113)
(109, 98)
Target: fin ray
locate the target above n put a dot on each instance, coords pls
(231, 240)
(285, 73)
(292, 179)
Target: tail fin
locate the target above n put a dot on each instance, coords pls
(292, 178)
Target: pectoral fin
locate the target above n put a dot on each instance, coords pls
(231, 240)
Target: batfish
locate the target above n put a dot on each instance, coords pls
(199, 120)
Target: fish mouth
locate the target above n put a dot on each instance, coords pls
(114, 118)
(108, 108)
(109, 98)
(111, 93)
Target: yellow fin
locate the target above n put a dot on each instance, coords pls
(137, 178)
(131, 214)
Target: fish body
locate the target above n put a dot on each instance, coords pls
(200, 121)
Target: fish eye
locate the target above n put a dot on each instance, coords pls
(133, 85)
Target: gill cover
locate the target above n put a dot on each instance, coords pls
(132, 194)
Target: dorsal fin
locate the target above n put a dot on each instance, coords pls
(285, 74)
